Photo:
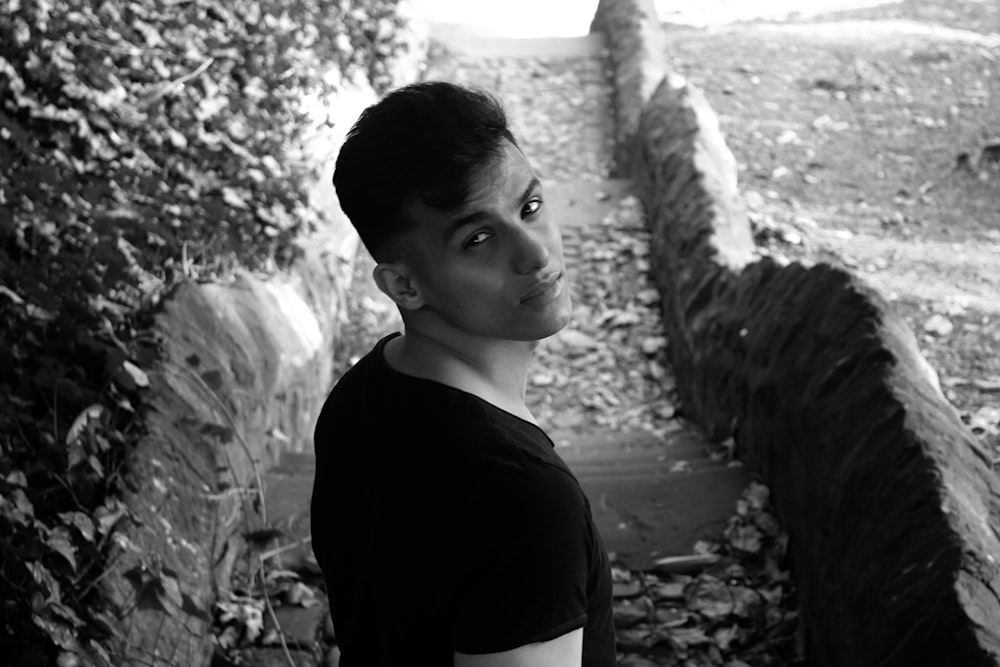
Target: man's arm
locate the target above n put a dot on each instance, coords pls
(563, 651)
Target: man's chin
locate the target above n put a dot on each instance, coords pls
(550, 329)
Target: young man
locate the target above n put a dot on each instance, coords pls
(448, 529)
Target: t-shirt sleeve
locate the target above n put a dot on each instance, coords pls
(521, 557)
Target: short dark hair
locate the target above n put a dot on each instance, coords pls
(425, 141)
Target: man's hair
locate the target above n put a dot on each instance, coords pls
(427, 142)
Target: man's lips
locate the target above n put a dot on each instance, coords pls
(545, 288)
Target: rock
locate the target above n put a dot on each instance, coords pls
(633, 28)
(834, 407)
(300, 624)
(986, 420)
(938, 325)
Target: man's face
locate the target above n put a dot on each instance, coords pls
(494, 266)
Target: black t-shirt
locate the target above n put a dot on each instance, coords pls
(443, 523)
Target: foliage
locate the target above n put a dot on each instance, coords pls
(730, 603)
(141, 144)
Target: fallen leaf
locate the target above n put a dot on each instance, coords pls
(91, 412)
(629, 613)
(711, 598)
(745, 538)
(626, 589)
(669, 591)
(671, 618)
(685, 564)
(59, 541)
(724, 637)
(138, 376)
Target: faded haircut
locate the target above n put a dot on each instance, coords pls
(427, 142)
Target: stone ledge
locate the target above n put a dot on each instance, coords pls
(636, 46)
(891, 504)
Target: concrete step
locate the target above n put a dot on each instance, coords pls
(585, 202)
(649, 497)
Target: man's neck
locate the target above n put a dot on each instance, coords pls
(492, 369)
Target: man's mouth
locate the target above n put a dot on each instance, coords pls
(544, 290)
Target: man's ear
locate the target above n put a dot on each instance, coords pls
(396, 282)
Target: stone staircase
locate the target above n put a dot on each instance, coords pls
(652, 494)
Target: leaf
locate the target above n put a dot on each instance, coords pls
(108, 515)
(83, 523)
(711, 598)
(17, 478)
(724, 637)
(235, 198)
(59, 541)
(745, 538)
(23, 504)
(253, 617)
(170, 589)
(44, 578)
(66, 613)
(82, 421)
(685, 564)
(176, 139)
(138, 376)
(990, 384)
(629, 613)
(60, 633)
(687, 637)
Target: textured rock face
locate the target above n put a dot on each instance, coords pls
(246, 368)
(632, 31)
(891, 504)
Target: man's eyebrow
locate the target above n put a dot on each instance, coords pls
(476, 216)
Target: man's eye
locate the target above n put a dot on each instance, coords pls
(477, 239)
(531, 207)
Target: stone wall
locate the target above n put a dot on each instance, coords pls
(891, 504)
(246, 367)
(636, 47)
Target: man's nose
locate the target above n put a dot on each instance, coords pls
(531, 250)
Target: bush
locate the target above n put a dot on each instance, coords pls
(143, 143)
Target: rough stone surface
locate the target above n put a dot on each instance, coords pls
(891, 504)
(300, 624)
(636, 44)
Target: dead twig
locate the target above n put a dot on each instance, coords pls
(274, 617)
(277, 551)
(200, 382)
(221, 406)
(176, 84)
(126, 49)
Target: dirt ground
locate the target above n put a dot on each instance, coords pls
(871, 139)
